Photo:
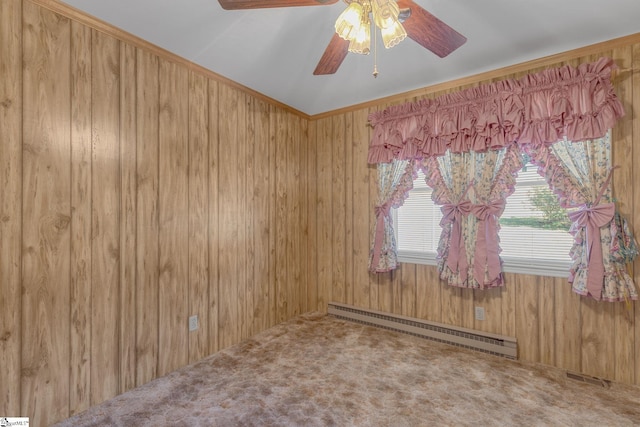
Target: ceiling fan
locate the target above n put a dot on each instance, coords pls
(419, 25)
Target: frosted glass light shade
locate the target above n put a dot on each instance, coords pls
(350, 20)
(362, 41)
(355, 22)
(385, 12)
(393, 34)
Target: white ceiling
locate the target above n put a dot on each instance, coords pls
(274, 51)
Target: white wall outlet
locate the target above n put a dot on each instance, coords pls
(479, 313)
(193, 323)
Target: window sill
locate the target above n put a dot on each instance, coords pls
(538, 267)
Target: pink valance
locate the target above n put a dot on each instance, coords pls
(574, 102)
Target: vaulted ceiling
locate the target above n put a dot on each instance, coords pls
(275, 51)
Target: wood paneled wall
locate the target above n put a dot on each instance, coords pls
(552, 325)
(135, 192)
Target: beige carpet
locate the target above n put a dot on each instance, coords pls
(317, 370)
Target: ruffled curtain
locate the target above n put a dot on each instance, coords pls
(472, 189)
(395, 179)
(579, 174)
(574, 102)
(532, 113)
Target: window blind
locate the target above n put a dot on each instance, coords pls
(527, 247)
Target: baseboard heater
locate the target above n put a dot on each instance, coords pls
(498, 345)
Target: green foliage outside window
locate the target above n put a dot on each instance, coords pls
(553, 216)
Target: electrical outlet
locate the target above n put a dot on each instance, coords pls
(193, 323)
(479, 313)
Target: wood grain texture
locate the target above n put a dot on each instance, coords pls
(312, 217)
(213, 167)
(349, 174)
(490, 300)
(147, 328)
(624, 317)
(568, 325)
(259, 4)
(362, 208)
(527, 318)
(281, 214)
(294, 219)
(385, 291)
(305, 203)
(229, 326)
(272, 188)
(372, 189)
(397, 287)
(97, 24)
(429, 31)
(242, 216)
(508, 297)
(429, 291)
(467, 309)
(335, 52)
(198, 182)
(149, 192)
(451, 305)
(260, 185)
(635, 192)
(547, 321)
(250, 213)
(46, 216)
(595, 349)
(324, 212)
(81, 284)
(10, 204)
(338, 214)
(127, 220)
(286, 199)
(105, 207)
(408, 282)
(173, 217)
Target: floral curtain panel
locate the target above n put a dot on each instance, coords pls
(580, 173)
(472, 189)
(459, 139)
(395, 179)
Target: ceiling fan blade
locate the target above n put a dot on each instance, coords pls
(429, 31)
(262, 4)
(333, 56)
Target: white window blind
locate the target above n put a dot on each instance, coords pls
(529, 243)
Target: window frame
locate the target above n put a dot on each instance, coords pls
(533, 266)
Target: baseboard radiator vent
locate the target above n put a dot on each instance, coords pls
(588, 379)
(475, 340)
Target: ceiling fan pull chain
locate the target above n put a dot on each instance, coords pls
(375, 53)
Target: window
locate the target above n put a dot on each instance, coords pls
(534, 233)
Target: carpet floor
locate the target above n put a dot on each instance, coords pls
(317, 370)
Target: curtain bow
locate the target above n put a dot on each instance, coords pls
(452, 213)
(381, 211)
(591, 219)
(487, 250)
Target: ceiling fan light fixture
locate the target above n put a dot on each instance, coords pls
(350, 20)
(354, 24)
(393, 34)
(361, 43)
(385, 13)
